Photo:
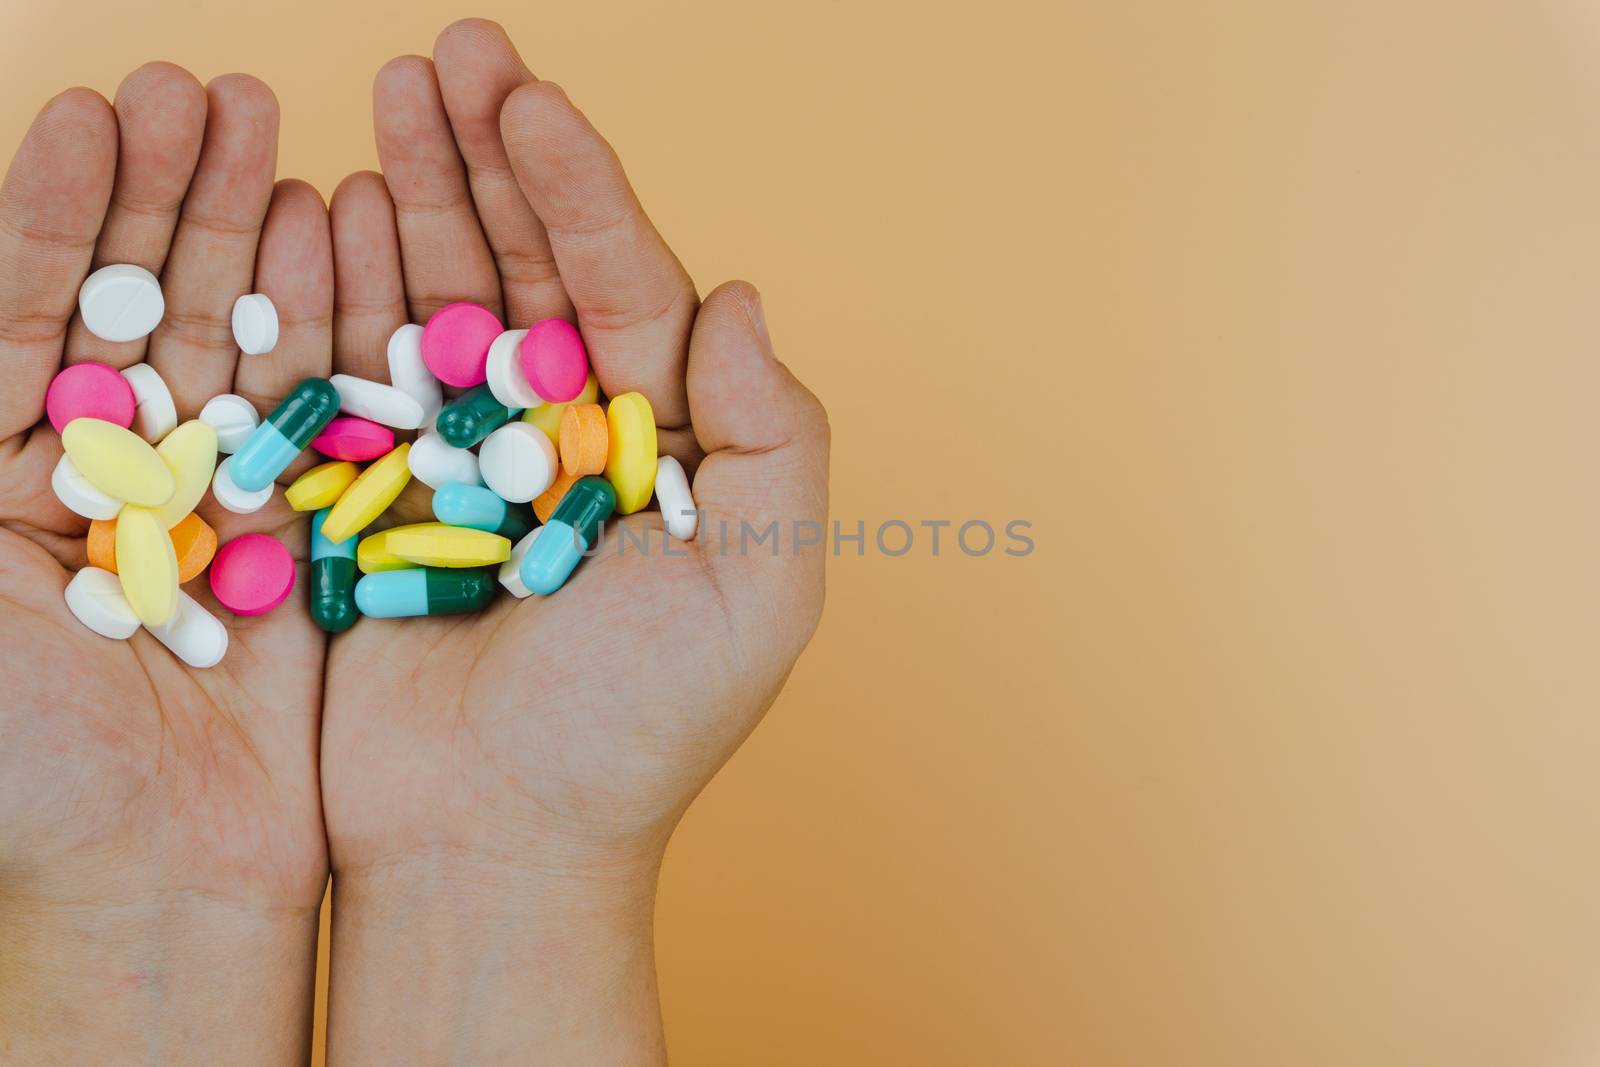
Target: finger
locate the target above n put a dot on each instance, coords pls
(51, 207)
(442, 246)
(212, 262)
(369, 286)
(161, 115)
(635, 303)
(294, 268)
(478, 68)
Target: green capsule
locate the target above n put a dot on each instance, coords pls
(333, 579)
(425, 591)
(472, 416)
(274, 444)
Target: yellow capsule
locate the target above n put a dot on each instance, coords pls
(373, 553)
(438, 545)
(368, 496)
(321, 486)
(631, 458)
(118, 462)
(146, 563)
(190, 453)
(548, 416)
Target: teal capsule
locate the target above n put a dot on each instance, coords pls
(471, 417)
(273, 445)
(478, 508)
(425, 591)
(333, 578)
(573, 529)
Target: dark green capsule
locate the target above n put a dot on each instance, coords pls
(472, 416)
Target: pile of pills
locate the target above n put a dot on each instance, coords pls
(527, 463)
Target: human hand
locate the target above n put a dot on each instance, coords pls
(162, 854)
(535, 758)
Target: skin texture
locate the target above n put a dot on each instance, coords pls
(499, 788)
(160, 825)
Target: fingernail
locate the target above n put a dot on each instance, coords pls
(758, 319)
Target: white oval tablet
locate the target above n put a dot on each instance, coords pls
(383, 404)
(230, 496)
(518, 462)
(94, 597)
(79, 494)
(193, 634)
(154, 414)
(677, 504)
(507, 381)
(409, 374)
(511, 569)
(233, 417)
(122, 302)
(255, 324)
(434, 461)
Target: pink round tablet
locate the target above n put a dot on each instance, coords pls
(89, 391)
(357, 440)
(555, 361)
(455, 343)
(252, 574)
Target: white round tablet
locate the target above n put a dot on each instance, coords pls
(122, 302)
(229, 495)
(507, 381)
(154, 415)
(409, 374)
(434, 461)
(79, 495)
(94, 597)
(193, 634)
(518, 462)
(677, 505)
(233, 417)
(255, 324)
(511, 569)
(383, 404)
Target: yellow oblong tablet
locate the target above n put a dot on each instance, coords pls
(321, 486)
(118, 462)
(373, 554)
(190, 453)
(368, 496)
(548, 416)
(147, 563)
(631, 459)
(438, 545)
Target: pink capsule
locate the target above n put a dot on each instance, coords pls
(354, 439)
(455, 343)
(89, 391)
(555, 361)
(251, 575)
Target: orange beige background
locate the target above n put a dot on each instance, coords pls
(1281, 323)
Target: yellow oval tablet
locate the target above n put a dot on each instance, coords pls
(548, 416)
(146, 563)
(373, 555)
(438, 545)
(631, 460)
(118, 462)
(368, 496)
(190, 453)
(321, 486)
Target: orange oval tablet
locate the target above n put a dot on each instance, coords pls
(585, 437)
(195, 542)
(103, 544)
(544, 505)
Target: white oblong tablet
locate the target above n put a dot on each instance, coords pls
(94, 597)
(677, 504)
(383, 404)
(233, 417)
(434, 461)
(507, 381)
(518, 462)
(255, 324)
(511, 569)
(229, 495)
(79, 494)
(193, 634)
(409, 374)
(154, 414)
(122, 302)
